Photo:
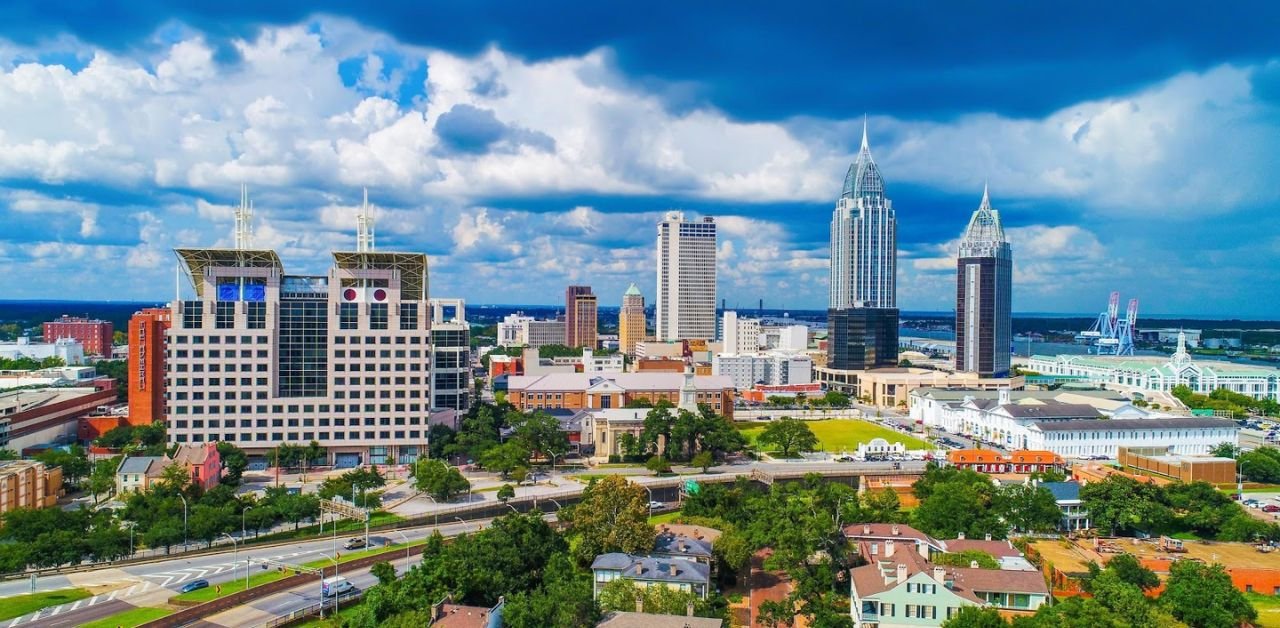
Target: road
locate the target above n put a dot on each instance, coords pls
(118, 589)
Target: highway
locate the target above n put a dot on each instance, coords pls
(153, 584)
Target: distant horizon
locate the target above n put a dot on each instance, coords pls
(919, 313)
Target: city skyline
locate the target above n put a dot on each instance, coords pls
(141, 134)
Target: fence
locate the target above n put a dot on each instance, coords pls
(304, 613)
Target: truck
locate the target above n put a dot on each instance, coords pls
(335, 585)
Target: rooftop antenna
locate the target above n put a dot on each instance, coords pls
(244, 220)
(364, 226)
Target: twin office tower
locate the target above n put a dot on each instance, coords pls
(862, 319)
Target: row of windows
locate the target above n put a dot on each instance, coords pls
(383, 366)
(324, 407)
(370, 353)
(295, 436)
(198, 424)
(213, 340)
(225, 381)
(215, 368)
(382, 394)
(216, 353)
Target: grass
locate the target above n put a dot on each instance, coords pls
(331, 622)
(836, 435)
(587, 477)
(666, 517)
(211, 593)
(1268, 609)
(129, 619)
(20, 605)
(1187, 536)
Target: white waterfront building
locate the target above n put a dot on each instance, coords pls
(1070, 424)
(1156, 374)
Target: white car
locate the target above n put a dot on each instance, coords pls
(655, 505)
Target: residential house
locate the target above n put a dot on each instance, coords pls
(1074, 515)
(685, 542)
(138, 473)
(203, 463)
(902, 589)
(645, 571)
(446, 614)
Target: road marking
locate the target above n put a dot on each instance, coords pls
(15, 622)
(77, 604)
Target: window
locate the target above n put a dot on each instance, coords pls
(256, 317)
(378, 316)
(192, 315)
(225, 315)
(348, 315)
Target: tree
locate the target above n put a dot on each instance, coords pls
(953, 501)
(704, 460)
(881, 506)
(658, 465)
(1128, 569)
(1225, 450)
(1073, 612)
(505, 457)
(836, 399)
(658, 423)
(564, 599)
(789, 436)
(438, 479)
(966, 558)
(1202, 596)
(384, 571)
(74, 462)
(1120, 503)
(975, 617)
(8, 454)
(540, 433)
(439, 437)
(613, 516)
(103, 478)
(622, 595)
(1122, 598)
(505, 493)
(234, 462)
(1028, 507)
(478, 433)
(175, 477)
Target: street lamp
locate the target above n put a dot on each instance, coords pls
(235, 551)
(1240, 478)
(337, 595)
(244, 512)
(406, 549)
(184, 521)
(650, 499)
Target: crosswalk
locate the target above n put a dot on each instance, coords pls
(141, 584)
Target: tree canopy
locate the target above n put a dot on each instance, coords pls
(789, 436)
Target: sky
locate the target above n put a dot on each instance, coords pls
(528, 146)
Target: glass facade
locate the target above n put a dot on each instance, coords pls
(304, 348)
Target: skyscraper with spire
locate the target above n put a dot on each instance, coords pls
(863, 315)
(984, 286)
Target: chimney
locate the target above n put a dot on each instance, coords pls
(960, 537)
(866, 529)
(940, 574)
(640, 604)
(688, 609)
(988, 536)
(973, 564)
(895, 530)
(888, 548)
(902, 573)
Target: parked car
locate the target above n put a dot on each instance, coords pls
(655, 505)
(354, 542)
(194, 585)
(1271, 508)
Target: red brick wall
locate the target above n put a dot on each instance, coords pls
(95, 335)
(146, 365)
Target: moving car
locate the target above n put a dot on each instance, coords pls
(1271, 508)
(354, 542)
(194, 585)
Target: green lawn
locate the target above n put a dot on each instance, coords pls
(20, 605)
(129, 619)
(836, 435)
(666, 517)
(1268, 609)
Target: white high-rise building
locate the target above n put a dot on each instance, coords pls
(741, 335)
(864, 239)
(511, 330)
(686, 305)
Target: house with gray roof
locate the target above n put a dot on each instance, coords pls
(1067, 495)
(137, 473)
(681, 575)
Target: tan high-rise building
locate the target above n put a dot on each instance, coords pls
(580, 317)
(631, 323)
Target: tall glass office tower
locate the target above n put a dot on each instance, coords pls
(863, 314)
(984, 286)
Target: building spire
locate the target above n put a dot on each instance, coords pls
(865, 144)
(364, 225)
(244, 220)
(986, 197)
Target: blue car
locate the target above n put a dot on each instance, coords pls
(193, 585)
